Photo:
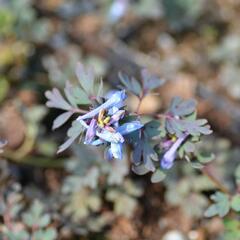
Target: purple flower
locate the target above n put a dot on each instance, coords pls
(169, 157)
(91, 131)
(103, 125)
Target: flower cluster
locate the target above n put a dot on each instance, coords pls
(102, 119)
(103, 125)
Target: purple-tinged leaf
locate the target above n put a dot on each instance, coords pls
(73, 133)
(86, 78)
(131, 85)
(66, 144)
(69, 93)
(150, 81)
(61, 119)
(180, 107)
(56, 100)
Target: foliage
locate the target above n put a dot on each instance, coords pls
(90, 190)
(178, 122)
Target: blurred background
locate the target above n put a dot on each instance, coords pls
(194, 45)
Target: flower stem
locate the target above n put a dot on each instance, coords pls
(139, 105)
(207, 172)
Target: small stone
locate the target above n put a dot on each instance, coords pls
(174, 235)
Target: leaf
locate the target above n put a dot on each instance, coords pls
(196, 165)
(192, 127)
(80, 96)
(189, 147)
(140, 169)
(131, 85)
(220, 207)
(48, 234)
(180, 107)
(85, 77)
(33, 216)
(73, 133)
(196, 127)
(148, 155)
(69, 90)
(205, 157)
(237, 174)
(44, 220)
(152, 128)
(56, 100)
(231, 227)
(61, 119)
(235, 203)
(211, 211)
(150, 82)
(158, 176)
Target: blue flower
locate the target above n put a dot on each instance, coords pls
(103, 125)
(116, 98)
(169, 157)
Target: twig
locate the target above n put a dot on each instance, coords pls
(207, 171)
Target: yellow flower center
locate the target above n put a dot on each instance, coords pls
(102, 119)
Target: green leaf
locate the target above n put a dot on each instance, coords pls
(158, 176)
(56, 100)
(235, 203)
(220, 207)
(80, 96)
(48, 234)
(237, 174)
(180, 107)
(140, 169)
(205, 157)
(152, 128)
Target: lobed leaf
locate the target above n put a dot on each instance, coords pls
(220, 207)
(73, 133)
(235, 203)
(56, 100)
(131, 85)
(150, 81)
(180, 107)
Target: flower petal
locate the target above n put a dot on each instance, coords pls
(116, 149)
(116, 98)
(91, 131)
(117, 116)
(108, 154)
(97, 142)
(169, 157)
(113, 137)
(127, 128)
